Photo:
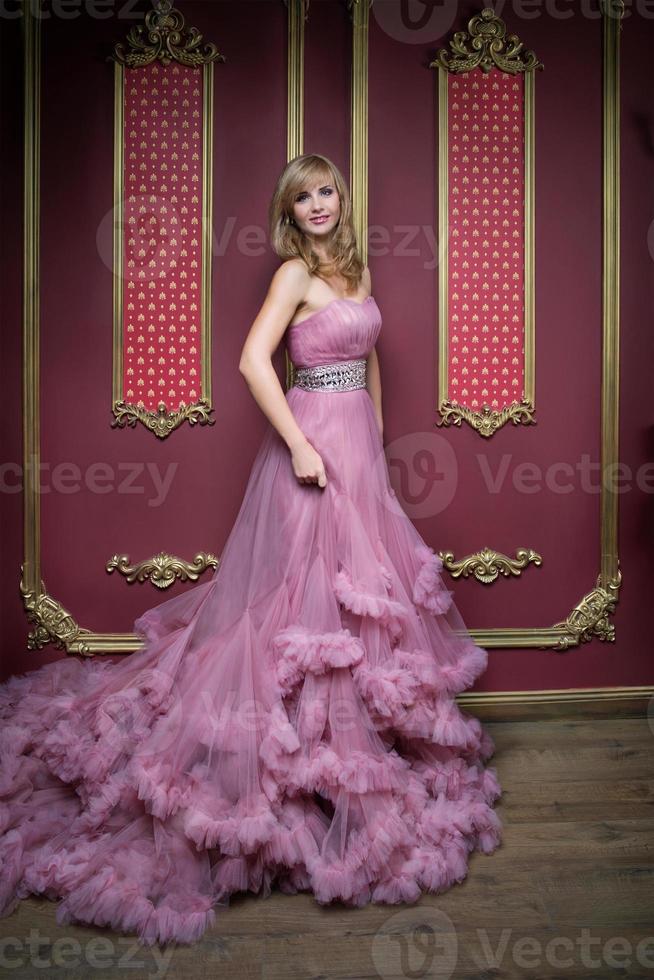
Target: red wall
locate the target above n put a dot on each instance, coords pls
(80, 531)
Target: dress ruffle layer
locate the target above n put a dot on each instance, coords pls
(296, 726)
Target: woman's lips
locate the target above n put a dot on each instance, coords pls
(321, 220)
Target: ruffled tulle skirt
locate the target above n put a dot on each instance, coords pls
(292, 722)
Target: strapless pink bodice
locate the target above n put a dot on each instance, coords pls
(344, 329)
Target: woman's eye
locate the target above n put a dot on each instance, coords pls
(325, 190)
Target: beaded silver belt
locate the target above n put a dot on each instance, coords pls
(337, 376)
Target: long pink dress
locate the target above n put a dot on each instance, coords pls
(290, 722)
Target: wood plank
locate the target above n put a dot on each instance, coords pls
(584, 799)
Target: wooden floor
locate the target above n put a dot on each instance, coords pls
(570, 892)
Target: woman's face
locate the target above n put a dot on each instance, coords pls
(316, 209)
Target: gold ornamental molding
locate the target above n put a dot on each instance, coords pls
(165, 38)
(487, 564)
(53, 624)
(486, 46)
(589, 618)
(487, 421)
(162, 422)
(359, 11)
(298, 14)
(163, 569)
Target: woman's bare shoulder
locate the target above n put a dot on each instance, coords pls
(290, 279)
(293, 268)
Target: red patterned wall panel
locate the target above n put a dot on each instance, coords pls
(162, 252)
(486, 374)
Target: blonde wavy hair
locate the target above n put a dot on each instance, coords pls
(289, 241)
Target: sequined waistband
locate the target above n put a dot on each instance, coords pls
(337, 376)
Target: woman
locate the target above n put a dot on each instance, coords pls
(292, 721)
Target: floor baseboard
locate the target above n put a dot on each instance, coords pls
(575, 702)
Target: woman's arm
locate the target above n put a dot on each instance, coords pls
(286, 291)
